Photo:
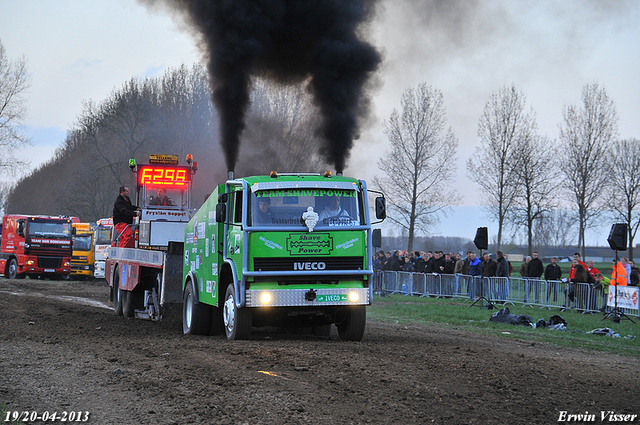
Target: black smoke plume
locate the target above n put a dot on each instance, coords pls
(287, 41)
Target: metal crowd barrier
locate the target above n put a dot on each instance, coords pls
(533, 292)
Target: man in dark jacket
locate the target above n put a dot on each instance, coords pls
(438, 262)
(535, 269)
(428, 266)
(123, 213)
(420, 262)
(489, 266)
(394, 262)
(553, 274)
(449, 264)
(502, 270)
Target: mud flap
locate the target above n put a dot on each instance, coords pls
(171, 291)
(171, 286)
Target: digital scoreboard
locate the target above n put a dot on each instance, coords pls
(166, 176)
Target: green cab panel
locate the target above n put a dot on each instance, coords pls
(202, 250)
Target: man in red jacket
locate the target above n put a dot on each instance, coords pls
(576, 257)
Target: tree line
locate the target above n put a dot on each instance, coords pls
(549, 190)
(170, 114)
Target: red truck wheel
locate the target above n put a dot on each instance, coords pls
(12, 272)
(116, 294)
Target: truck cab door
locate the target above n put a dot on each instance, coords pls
(234, 249)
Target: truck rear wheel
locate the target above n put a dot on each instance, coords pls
(237, 321)
(354, 320)
(116, 294)
(196, 317)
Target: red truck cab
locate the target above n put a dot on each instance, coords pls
(35, 246)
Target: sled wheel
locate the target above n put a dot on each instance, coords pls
(132, 301)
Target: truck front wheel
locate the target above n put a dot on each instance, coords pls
(12, 273)
(237, 321)
(196, 317)
(351, 323)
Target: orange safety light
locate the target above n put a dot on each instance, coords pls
(273, 174)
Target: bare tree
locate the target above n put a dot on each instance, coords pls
(625, 185)
(586, 134)
(504, 122)
(14, 82)
(536, 175)
(421, 160)
(5, 190)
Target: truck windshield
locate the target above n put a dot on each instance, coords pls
(82, 243)
(50, 229)
(165, 197)
(335, 207)
(103, 235)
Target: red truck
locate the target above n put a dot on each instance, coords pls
(35, 246)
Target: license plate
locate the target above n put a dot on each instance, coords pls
(331, 298)
(49, 270)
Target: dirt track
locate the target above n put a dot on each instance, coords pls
(60, 354)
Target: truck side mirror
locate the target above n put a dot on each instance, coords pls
(221, 213)
(223, 198)
(376, 237)
(381, 208)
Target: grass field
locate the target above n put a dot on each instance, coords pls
(457, 314)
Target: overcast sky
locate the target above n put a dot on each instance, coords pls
(79, 50)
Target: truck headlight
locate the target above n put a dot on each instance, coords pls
(30, 262)
(354, 297)
(265, 298)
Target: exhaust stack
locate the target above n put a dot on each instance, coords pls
(231, 175)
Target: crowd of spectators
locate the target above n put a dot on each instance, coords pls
(420, 262)
(443, 263)
(532, 270)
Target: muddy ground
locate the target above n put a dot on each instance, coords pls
(59, 352)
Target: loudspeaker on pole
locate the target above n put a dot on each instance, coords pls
(482, 238)
(618, 237)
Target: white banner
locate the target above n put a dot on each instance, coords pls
(168, 215)
(627, 297)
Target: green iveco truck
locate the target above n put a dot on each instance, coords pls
(290, 250)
